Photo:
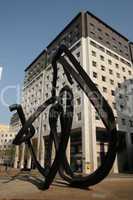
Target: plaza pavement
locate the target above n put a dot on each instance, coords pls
(26, 186)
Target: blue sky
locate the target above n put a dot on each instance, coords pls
(27, 27)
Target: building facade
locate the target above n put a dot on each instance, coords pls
(124, 108)
(6, 138)
(107, 57)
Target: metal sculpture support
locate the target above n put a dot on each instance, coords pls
(72, 69)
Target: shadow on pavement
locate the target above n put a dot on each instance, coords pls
(38, 182)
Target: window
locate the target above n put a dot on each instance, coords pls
(100, 38)
(93, 43)
(120, 43)
(108, 42)
(78, 87)
(94, 74)
(78, 101)
(113, 92)
(79, 116)
(131, 123)
(94, 63)
(102, 68)
(114, 105)
(97, 117)
(107, 34)
(124, 77)
(44, 127)
(99, 29)
(101, 48)
(78, 54)
(118, 75)
(117, 66)
(109, 62)
(114, 47)
(123, 69)
(92, 25)
(92, 33)
(119, 85)
(110, 71)
(103, 78)
(121, 107)
(111, 82)
(129, 72)
(102, 57)
(46, 95)
(104, 89)
(93, 53)
(123, 121)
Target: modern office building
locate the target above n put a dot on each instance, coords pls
(106, 56)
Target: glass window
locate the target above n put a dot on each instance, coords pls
(109, 62)
(97, 117)
(93, 53)
(111, 82)
(129, 72)
(94, 63)
(102, 57)
(78, 101)
(118, 75)
(78, 54)
(124, 77)
(114, 105)
(110, 71)
(78, 87)
(119, 85)
(79, 116)
(103, 78)
(117, 66)
(104, 89)
(113, 92)
(102, 68)
(123, 69)
(94, 74)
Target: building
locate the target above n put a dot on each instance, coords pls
(107, 57)
(6, 138)
(124, 108)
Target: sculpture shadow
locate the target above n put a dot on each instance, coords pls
(39, 182)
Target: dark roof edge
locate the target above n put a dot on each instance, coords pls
(89, 13)
(65, 28)
(35, 59)
(54, 40)
(97, 18)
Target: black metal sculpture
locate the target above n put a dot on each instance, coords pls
(72, 68)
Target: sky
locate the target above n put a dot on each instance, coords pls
(28, 26)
